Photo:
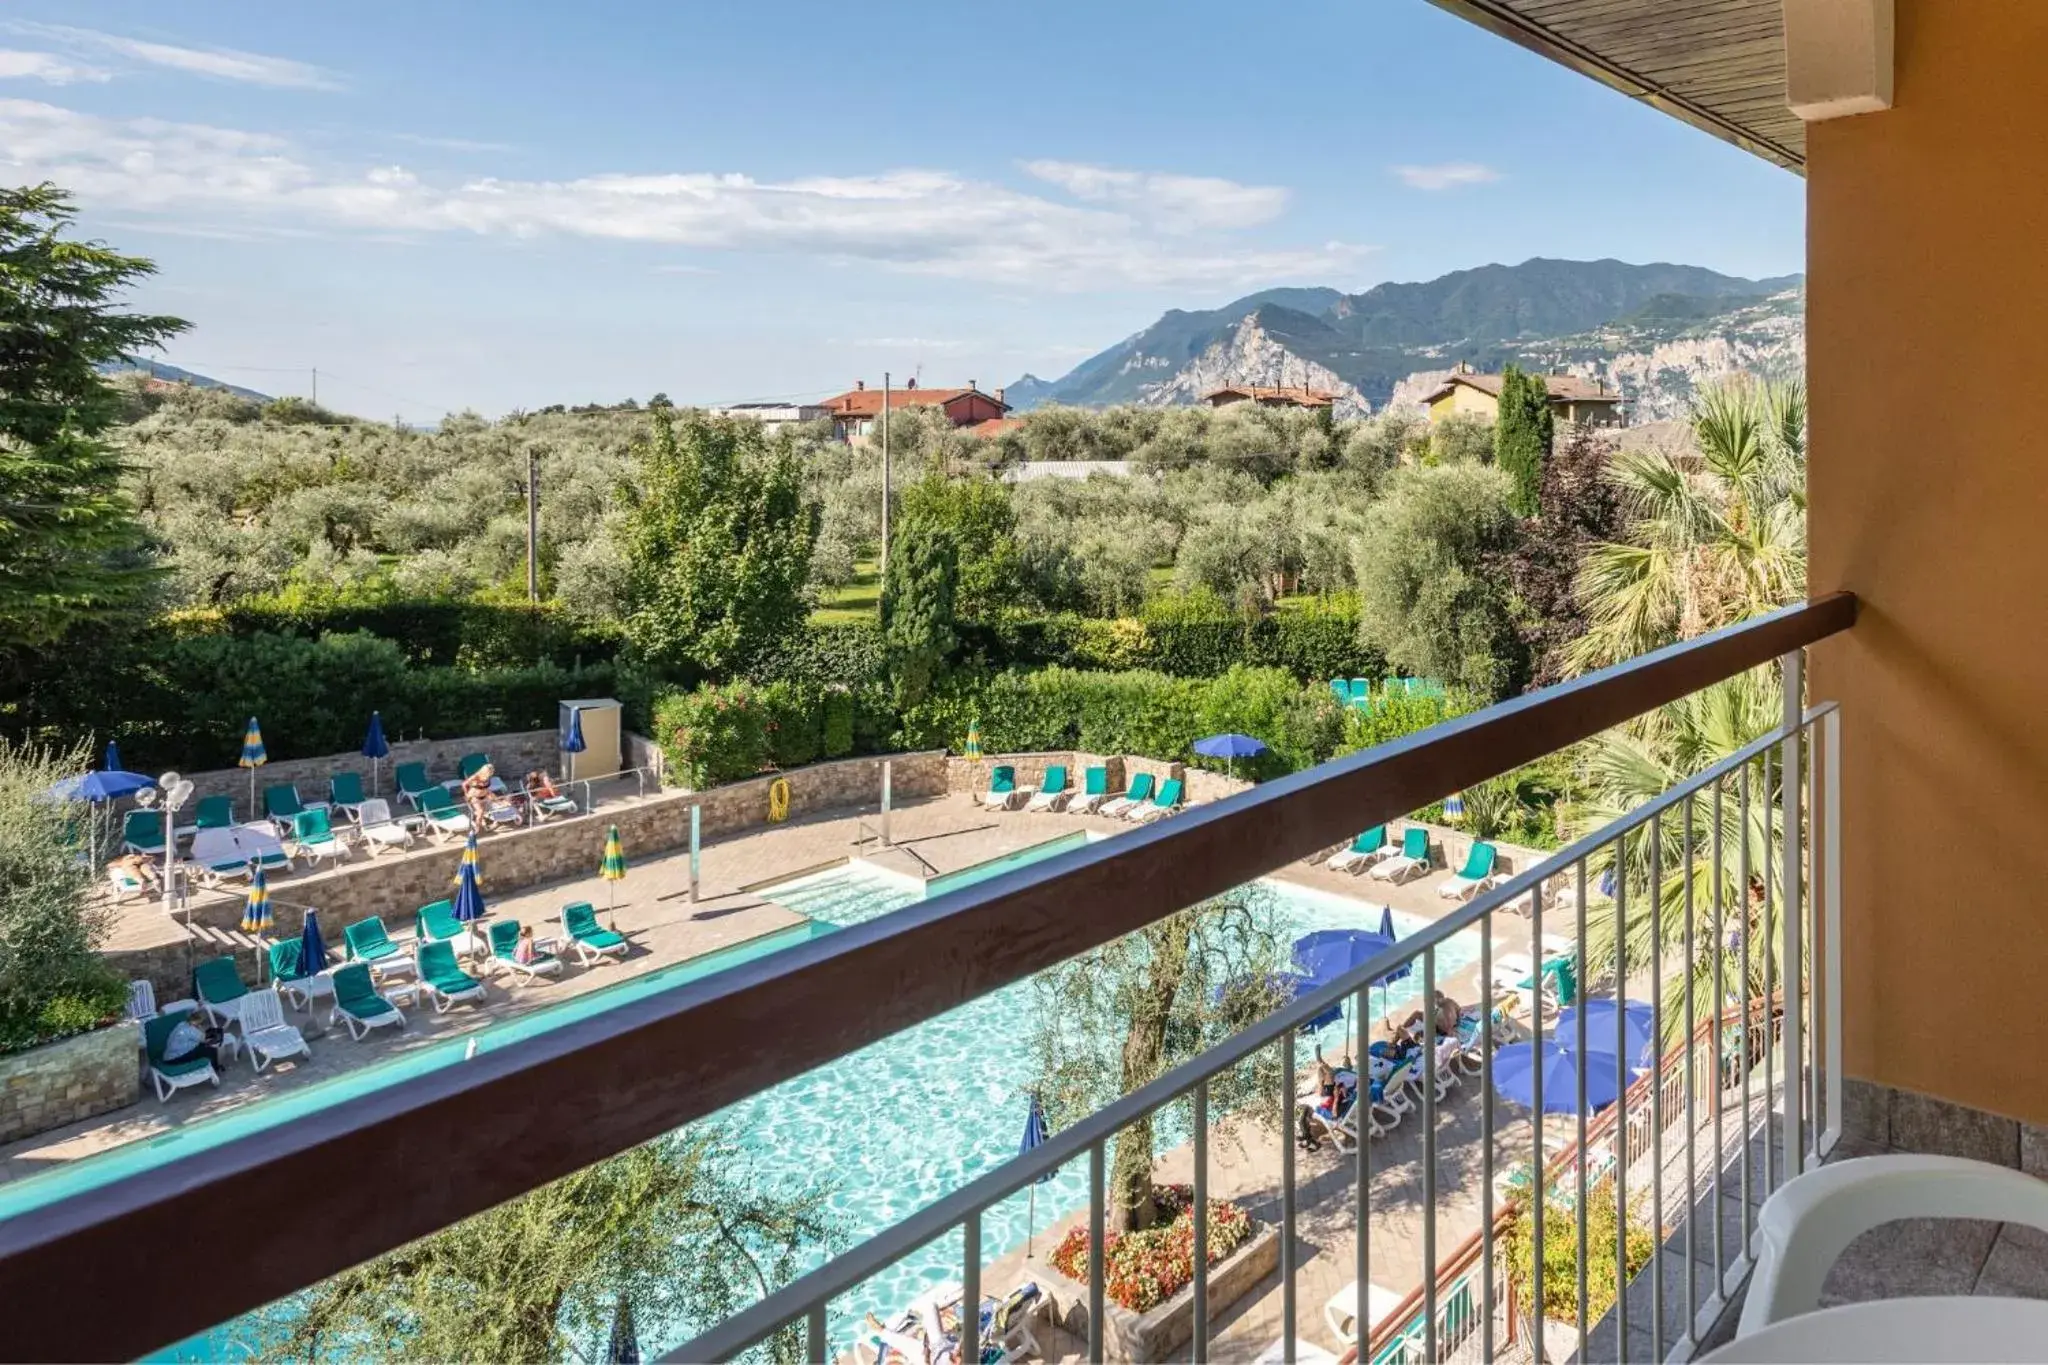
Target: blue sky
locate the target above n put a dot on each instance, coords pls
(504, 205)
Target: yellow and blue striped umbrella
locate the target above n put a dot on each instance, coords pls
(470, 861)
(253, 756)
(613, 868)
(972, 749)
(256, 917)
(1454, 806)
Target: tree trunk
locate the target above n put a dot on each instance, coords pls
(1130, 1196)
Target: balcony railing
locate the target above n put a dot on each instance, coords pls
(653, 1064)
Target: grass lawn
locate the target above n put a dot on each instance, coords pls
(854, 603)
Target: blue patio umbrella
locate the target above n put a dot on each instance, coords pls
(1387, 932)
(1230, 747)
(375, 746)
(1514, 1076)
(1034, 1134)
(1286, 986)
(1638, 1024)
(469, 897)
(572, 742)
(1327, 954)
(312, 948)
(97, 788)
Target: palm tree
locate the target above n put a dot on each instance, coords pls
(1711, 540)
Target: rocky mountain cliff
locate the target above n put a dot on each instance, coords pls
(1654, 332)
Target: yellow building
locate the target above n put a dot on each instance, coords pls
(1572, 399)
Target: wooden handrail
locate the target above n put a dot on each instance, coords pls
(555, 1102)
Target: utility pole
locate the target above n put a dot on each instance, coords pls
(532, 525)
(316, 386)
(885, 485)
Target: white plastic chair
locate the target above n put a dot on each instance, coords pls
(265, 1033)
(1807, 1224)
(142, 1006)
(379, 829)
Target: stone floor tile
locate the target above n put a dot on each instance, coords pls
(1913, 1256)
(2018, 1264)
(1867, 1110)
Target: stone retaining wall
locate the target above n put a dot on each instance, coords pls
(515, 753)
(62, 1082)
(396, 886)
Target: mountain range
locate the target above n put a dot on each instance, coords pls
(1654, 332)
(171, 374)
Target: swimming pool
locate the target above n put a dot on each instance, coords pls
(894, 1126)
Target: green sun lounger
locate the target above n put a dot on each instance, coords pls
(168, 1077)
(370, 944)
(591, 942)
(142, 831)
(412, 782)
(505, 948)
(213, 812)
(443, 978)
(220, 989)
(357, 1004)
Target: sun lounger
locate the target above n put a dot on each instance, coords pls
(502, 813)
(265, 1033)
(379, 830)
(126, 882)
(142, 831)
(1136, 794)
(1160, 806)
(436, 923)
(1411, 861)
(1367, 849)
(928, 1329)
(1002, 793)
(345, 792)
(505, 943)
(281, 805)
(592, 943)
(357, 1004)
(299, 981)
(172, 1076)
(213, 812)
(1094, 791)
(469, 766)
(316, 838)
(142, 1006)
(546, 802)
(443, 979)
(441, 813)
(220, 990)
(413, 783)
(1052, 790)
(1474, 877)
(224, 853)
(370, 945)
(1341, 1312)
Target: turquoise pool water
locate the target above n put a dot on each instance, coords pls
(893, 1126)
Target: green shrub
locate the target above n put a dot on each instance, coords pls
(1561, 1255)
(433, 632)
(837, 708)
(713, 734)
(52, 980)
(795, 720)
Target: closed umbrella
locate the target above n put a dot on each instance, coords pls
(1230, 748)
(312, 947)
(112, 762)
(1514, 1076)
(613, 869)
(253, 756)
(1454, 806)
(470, 863)
(573, 741)
(375, 746)
(469, 893)
(1638, 1026)
(972, 749)
(256, 916)
(1034, 1134)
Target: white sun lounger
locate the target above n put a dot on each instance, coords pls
(265, 1033)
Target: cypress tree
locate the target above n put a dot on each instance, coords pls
(1521, 437)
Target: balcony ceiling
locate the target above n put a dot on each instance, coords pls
(1717, 64)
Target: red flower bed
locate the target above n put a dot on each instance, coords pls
(1142, 1270)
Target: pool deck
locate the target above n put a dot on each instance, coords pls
(949, 833)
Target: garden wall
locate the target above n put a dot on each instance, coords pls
(62, 1082)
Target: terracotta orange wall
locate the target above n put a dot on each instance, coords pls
(1928, 345)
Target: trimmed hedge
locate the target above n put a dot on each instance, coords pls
(437, 634)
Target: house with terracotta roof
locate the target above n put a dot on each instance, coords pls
(1283, 396)
(856, 414)
(1572, 399)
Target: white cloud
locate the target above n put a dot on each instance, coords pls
(1445, 175)
(452, 144)
(219, 63)
(1172, 201)
(916, 221)
(47, 67)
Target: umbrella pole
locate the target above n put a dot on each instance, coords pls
(1030, 1219)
